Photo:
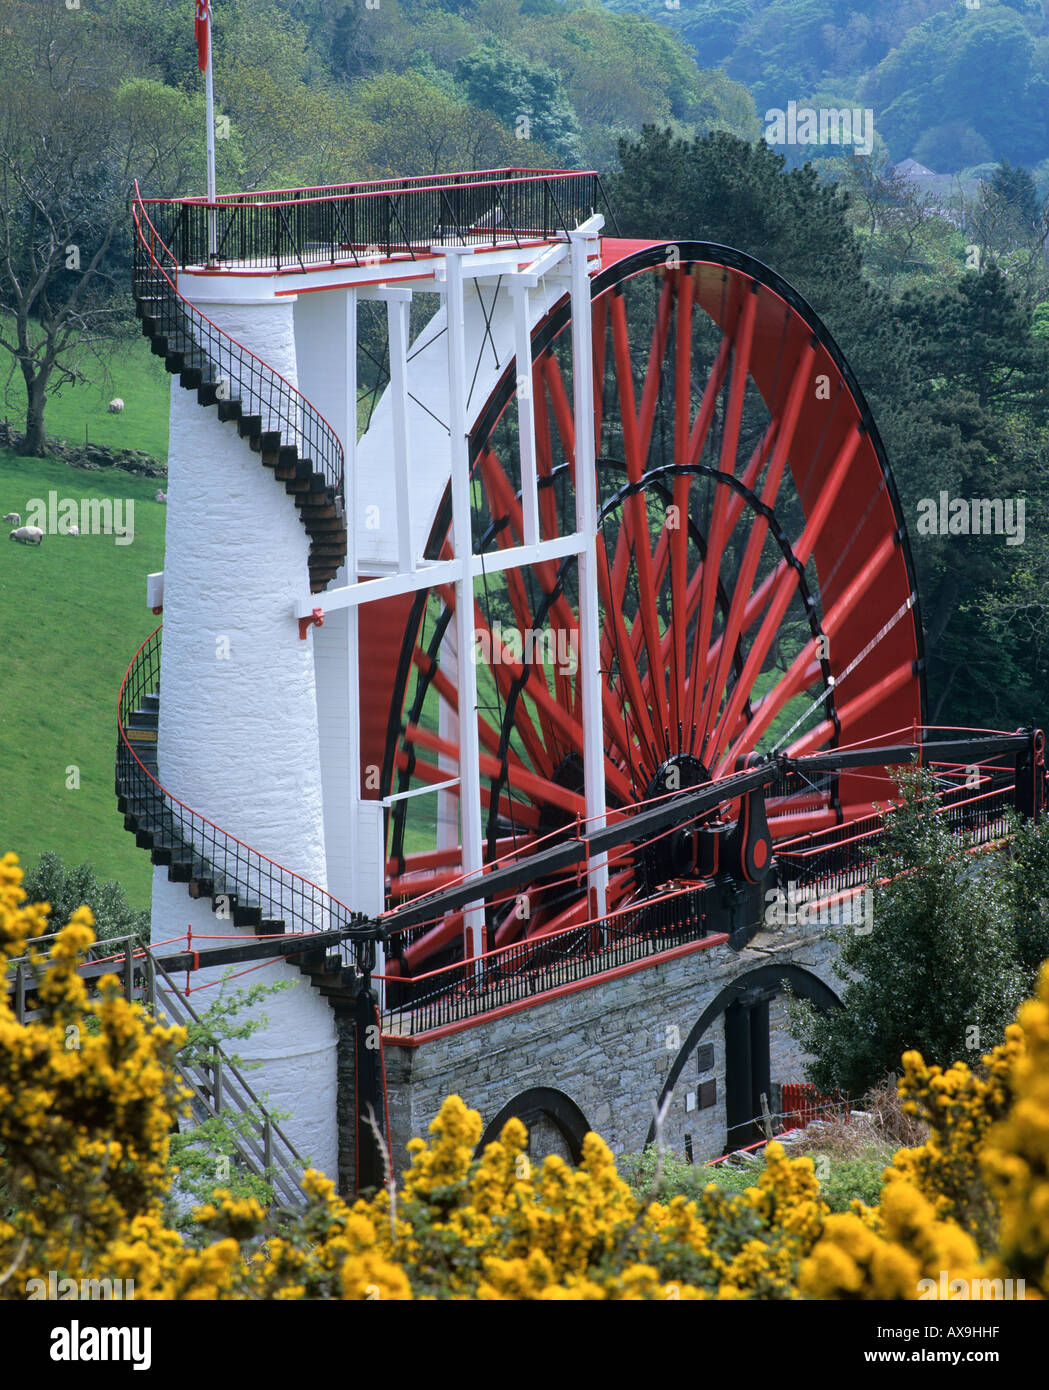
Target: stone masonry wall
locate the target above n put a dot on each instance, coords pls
(608, 1047)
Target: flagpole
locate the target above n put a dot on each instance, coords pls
(209, 100)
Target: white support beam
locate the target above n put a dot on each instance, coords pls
(525, 409)
(448, 732)
(385, 294)
(427, 576)
(586, 522)
(397, 310)
(466, 683)
(353, 663)
(420, 791)
(552, 258)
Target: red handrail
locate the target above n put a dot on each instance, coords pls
(307, 404)
(232, 200)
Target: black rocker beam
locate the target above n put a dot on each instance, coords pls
(680, 810)
(571, 852)
(287, 946)
(577, 850)
(970, 750)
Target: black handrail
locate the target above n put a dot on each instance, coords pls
(235, 371)
(216, 858)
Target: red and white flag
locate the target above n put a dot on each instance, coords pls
(202, 30)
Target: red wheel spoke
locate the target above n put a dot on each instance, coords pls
(551, 714)
(635, 447)
(654, 371)
(413, 883)
(534, 746)
(430, 773)
(447, 692)
(579, 912)
(678, 536)
(599, 338)
(705, 415)
(752, 554)
(543, 451)
(804, 670)
(854, 710)
(504, 501)
(683, 612)
(787, 586)
(637, 705)
(443, 934)
(541, 789)
(555, 385)
(719, 530)
(803, 674)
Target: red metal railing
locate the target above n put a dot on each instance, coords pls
(357, 223)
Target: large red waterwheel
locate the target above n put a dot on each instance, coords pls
(756, 589)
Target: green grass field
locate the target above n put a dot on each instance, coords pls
(134, 374)
(73, 613)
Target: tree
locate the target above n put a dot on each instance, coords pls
(1013, 186)
(624, 71)
(977, 337)
(403, 124)
(527, 97)
(721, 188)
(978, 71)
(1027, 887)
(72, 138)
(288, 134)
(907, 237)
(67, 890)
(1009, 223)
(952, 146)
(976, 669)
(939, 963)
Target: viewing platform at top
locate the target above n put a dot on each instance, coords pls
(376, 227)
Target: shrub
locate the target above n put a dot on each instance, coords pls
(939, 963)
(65, 890)
(85, 1132)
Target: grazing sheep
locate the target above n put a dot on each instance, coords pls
(28, 535)
(13, 518)
(116, 405)
(72, 530)
(161, 496)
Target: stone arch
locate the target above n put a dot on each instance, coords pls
(803, 982)
(543, 1110)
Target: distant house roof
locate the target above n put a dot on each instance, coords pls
(911, 169)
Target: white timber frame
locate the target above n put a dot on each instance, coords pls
(569, 264)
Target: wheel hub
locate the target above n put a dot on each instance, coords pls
(668, 854)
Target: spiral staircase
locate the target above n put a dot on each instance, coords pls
(293, 441)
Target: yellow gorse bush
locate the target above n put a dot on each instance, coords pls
(88, 1100)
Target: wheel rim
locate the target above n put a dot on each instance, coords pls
(755, 582)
